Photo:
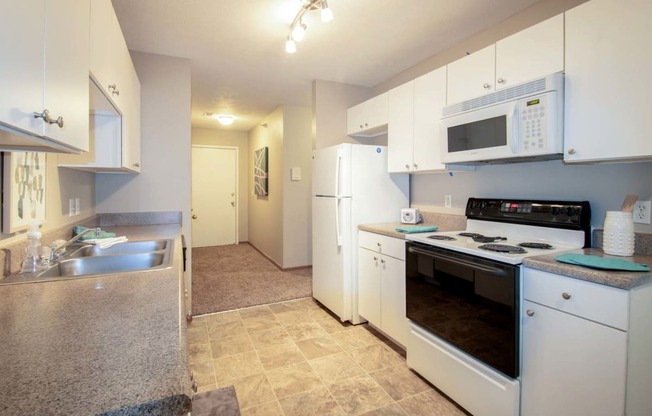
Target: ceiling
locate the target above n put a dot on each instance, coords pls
(237, 54)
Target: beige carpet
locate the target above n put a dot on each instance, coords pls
(237, 276)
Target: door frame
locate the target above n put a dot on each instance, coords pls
(237, 184)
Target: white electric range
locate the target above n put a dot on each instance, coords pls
(463, 296)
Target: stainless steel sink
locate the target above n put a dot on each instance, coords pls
(86, 266)
(121, 248)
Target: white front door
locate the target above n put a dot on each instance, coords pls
(214, 197)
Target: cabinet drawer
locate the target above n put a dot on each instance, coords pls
(602, 304)
(390, 246)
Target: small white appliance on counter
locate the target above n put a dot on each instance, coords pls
(410, 216)
(521, 122)
(350, 186)
(463, 296)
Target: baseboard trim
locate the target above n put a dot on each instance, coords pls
(281, 268)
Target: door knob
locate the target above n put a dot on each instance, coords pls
(194, 216)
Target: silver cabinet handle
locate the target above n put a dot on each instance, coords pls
(136, 165)
(566, 295)
(58, 122)
(500, 80)
(486, 86)
(45, 115)
(530, 312)
(113, 89)
(571, 151)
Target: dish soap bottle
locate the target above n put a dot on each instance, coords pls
(31, 262)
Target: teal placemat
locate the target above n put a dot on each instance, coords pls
(409, 229)
(602, 263)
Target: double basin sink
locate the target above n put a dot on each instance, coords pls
(83, 260)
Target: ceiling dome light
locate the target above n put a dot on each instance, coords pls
(225, 119)
(298, 32)
(290, 46)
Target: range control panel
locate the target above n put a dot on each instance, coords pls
(560, 214)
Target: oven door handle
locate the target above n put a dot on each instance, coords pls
(493, 270)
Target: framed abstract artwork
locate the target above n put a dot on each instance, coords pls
(23, 191)
(261, 179)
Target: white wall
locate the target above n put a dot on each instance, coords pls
(240, 140)
(266, 212)
(297, 200)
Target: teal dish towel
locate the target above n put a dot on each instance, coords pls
(91, 236)
(602, 263)
(409, 229)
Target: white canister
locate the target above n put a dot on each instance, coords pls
(618, 238)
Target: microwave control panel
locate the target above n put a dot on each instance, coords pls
(534, 126)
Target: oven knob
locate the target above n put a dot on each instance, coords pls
(530, 312)
(555, 211)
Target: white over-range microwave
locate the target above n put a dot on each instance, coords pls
(521, 123)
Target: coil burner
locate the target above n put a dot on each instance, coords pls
(542, 246)
(503, 248)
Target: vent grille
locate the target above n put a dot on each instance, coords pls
(543, 84)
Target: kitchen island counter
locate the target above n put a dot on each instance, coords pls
(113, 344)
(617, 279)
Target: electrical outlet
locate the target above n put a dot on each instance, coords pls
(77, 206)
(71, 207)
(448, 201)
(642, 212)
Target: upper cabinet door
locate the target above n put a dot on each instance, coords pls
(22, 24)
(472, 76)
(608, 59)
(531, 53)
(66, 71)
(429, 100)
(368, 119)
(400, 128)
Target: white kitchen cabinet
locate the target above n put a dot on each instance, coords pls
(115, 100)
(44, 66)
(529, 54)
(608, 106)
(414, 124)
(381, 284)
(585, 347)
(368, 119)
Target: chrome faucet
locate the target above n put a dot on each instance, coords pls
(58, 252)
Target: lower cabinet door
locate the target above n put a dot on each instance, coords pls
(392, 289)
(571, 366)
(369, 286)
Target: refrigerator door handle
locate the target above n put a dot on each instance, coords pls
(337, 222)
(338, 165)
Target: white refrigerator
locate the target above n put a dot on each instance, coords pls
(350, 186)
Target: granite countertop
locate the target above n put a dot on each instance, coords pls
(445, 222)
(617, 279)
(112, 345)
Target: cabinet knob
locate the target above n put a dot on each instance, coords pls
(571, 151)
(45, 115)
(58, 122)
(500, 80)
(375, 258)
(194, 386)
(382, 261)
(407, 166)
(136, 165)
(415, 165)
(366, 124)
(194, 216)
(379, 245)
(361, 126)
(486, 86)
(530, 312)
(188, 317)
(566, 295)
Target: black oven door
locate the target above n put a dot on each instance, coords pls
(468, 301)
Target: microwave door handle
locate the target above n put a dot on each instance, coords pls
(515, 124)
(493, 270)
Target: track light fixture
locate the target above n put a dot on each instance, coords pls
(298, 28)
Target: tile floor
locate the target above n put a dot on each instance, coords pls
(294, 358)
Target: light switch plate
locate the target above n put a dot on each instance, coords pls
(295, 174)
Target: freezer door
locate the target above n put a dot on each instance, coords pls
(331, 171)
(331, 254)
